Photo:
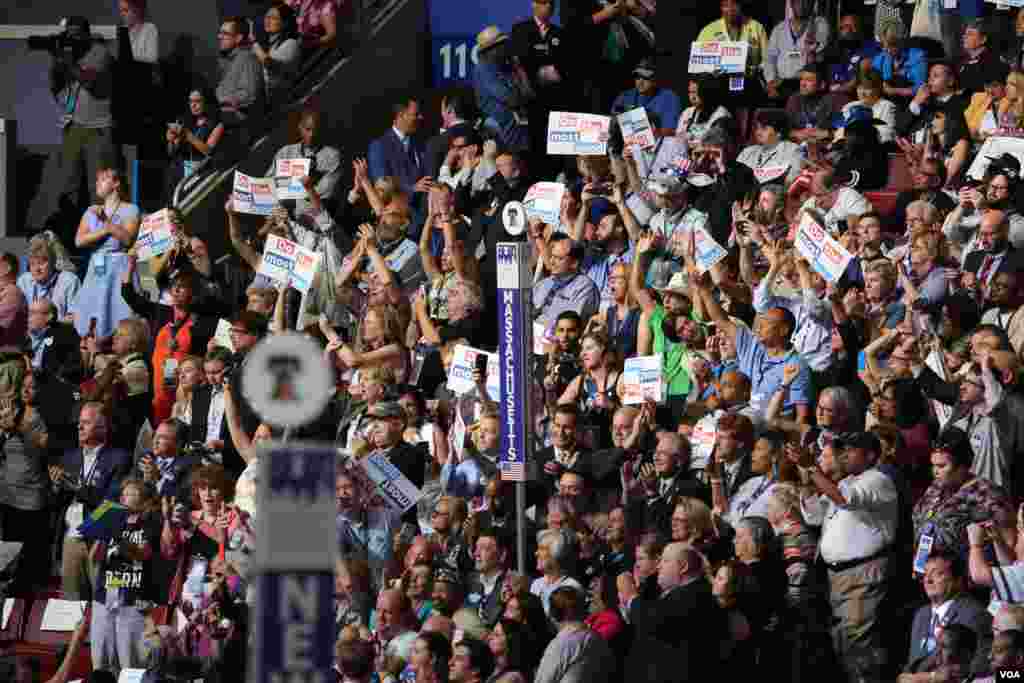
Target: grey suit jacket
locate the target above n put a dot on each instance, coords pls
(964, 610)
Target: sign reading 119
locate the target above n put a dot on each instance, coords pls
(454, 59)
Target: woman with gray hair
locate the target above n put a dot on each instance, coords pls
(44, 279)
(904, 69)
(556, 556)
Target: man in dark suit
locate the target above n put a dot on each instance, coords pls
(676, 622)
(544, 51)
(664, 481)
(53, 344)
(457, 115)
(996, 254)
(483, 592)
(944, 578)
(397, 152)
(87, 476)
(564, 454)
(938, 94)
(209, 422)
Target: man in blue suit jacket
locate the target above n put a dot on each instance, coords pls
(88, 475)
(944, 579)
(397, 153)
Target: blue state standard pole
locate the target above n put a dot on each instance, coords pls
(515, 344)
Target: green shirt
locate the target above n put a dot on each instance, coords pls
(675, 357)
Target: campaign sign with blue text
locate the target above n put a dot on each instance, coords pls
(514, 346)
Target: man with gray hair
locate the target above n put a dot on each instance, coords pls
(42, 280)
(674, 616)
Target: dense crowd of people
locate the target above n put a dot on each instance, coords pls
(823, 486)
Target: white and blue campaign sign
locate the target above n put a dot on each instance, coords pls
(823, 252)
(641, 380)
(294, 565)
(708, 252)
(720, 56)
(156, 236)
(454, 25)
(514, 346)
(577, 134)
(391, 485)
(253, 195)
(544, 201)
(460, 374)
(636, 129)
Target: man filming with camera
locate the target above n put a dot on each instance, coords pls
(81, 83)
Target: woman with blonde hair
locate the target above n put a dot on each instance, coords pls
(190, 376)
(379, 343)
(1009, 118)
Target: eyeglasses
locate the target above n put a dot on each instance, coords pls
(441, 513)
(1002, 188)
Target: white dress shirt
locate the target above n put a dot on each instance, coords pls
(862, 527)
(215, 418)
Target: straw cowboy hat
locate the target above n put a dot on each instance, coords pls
(489, 37)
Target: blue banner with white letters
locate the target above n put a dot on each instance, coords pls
(514, 349)
(294, 565)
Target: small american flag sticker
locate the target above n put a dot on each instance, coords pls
(513, 471)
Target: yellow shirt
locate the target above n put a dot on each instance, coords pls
(975, 112)
(752, 33)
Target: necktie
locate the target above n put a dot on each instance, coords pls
(986, 267)
(931, 639)
(409, 151)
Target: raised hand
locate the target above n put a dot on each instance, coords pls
(789, 373)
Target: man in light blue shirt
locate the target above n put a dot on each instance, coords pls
(363, 531)
(566, 289)
(43, 281)
(763, 354)
(813, 314)
(663, 106)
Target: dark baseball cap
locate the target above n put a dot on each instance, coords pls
(866, 440)
(1006, 164)
(253, 322)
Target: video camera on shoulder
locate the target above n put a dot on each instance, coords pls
(75, 36)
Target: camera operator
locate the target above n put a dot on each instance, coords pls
(81, 83)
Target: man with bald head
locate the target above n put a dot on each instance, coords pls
(675, 619)
(395, 630)
(993, 252)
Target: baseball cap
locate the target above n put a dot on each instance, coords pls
(1007, 164)
(645, 69)
(866, 440)
(666, 185)
(386, 410)
(251, 321)
(677, 284)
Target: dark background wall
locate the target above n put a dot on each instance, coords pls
(356, 103)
